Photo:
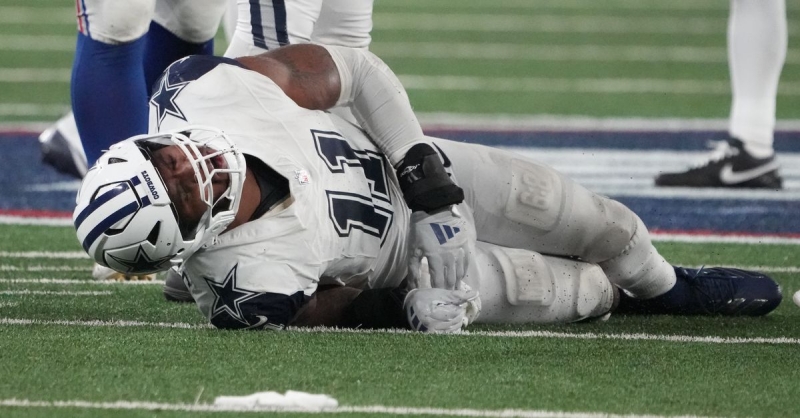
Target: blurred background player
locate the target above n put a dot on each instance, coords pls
(757, 44)
(123, 47)
(266, 25)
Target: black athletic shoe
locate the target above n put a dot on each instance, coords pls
(61, 148)
(711, 291)
(730, 165)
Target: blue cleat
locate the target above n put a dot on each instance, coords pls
(711, 291)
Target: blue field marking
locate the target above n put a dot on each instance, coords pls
(718, 215)
(609, 167)
(676, 141)
(28, 184)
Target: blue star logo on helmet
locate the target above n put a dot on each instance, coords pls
(142, 263)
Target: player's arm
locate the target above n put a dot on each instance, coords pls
(321, 77)
(318, 77)
(432, 310)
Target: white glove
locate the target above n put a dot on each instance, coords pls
(447, 240)
(438, 310)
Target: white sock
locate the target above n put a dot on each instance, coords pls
(757, 44)
(640, 269)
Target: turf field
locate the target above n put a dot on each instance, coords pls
(610, 92)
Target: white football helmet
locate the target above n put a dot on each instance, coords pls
(124, 217)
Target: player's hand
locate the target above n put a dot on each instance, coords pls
(447, 240)
(439, 310)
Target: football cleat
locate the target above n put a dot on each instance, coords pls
(175, 289)
(61, 147)
(729, 165)
(103, 273)
(729, 291)
(711, 291)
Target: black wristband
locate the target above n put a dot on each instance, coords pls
(377, 309)
(425, 184)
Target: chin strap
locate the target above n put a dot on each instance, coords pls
(425, 184)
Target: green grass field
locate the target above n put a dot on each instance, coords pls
(101, 342)
(65, 338)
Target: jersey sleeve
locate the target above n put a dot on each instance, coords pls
(262, 310)
(236, 291)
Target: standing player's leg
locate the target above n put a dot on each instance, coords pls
(757, 44)
(109, 97)
(266, 24)
(114, 68)
(180, 28)
(344, 23)
(518, 203)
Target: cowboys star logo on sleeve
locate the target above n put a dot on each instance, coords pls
(164, 98)
(176, 77)
(228, 298)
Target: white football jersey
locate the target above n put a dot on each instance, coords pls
(347, 220)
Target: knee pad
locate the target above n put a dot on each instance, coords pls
(194, 21)
(537, 197)
(553, 289)
(116, 22)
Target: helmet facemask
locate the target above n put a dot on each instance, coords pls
(124, 216)
(214, 159)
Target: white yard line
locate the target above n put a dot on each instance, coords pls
(504, 122)
(52, 43)
(24, 220)
(37, 15)
(32, 109)
(367, 409)
(553, 23)
(572, 123)
(112, 324)
(724, 239)
(45, 254)
(81, 282)
(468, 334)
(38, 268)
(577, 85)
(35, 75)
(55, 293)
(490, 84)
(544, 52)
(538, 5)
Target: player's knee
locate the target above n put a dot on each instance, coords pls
(615, 227)
(194, 21)
(555, 289)
(116, 22)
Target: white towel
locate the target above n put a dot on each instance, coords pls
(274, 400)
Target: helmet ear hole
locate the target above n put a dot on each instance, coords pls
(152, 237)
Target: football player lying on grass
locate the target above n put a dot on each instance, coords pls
(279, 213)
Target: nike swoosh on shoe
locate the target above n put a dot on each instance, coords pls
(728, 176)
